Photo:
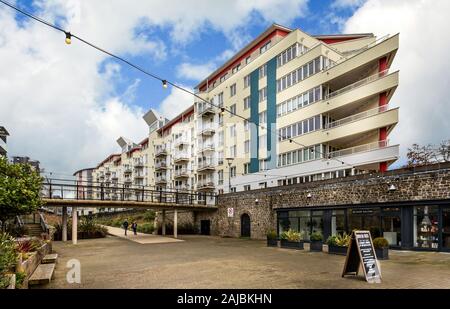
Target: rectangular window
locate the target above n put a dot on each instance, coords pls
(246, 81)
(248, 60)
(236, 68)
(233, 131)
(264, 48)
(232, 151)
(247, 103)
(246, 168)
(221, 138)
(220, 177)
(263, 142)
(262, 165)
(220, 157)
(247, 188)
(262, 71)
(246, 125)
(233, 171)
(233, 109)
(232, 90)
(263, 117)
(220, 99)
(263, 94)
(247, 146)
(223, 78)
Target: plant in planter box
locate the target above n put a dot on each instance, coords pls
(291, 239)
(272, 239)
(381, 248)
(8, 258)
(338, 244)
(316, 241)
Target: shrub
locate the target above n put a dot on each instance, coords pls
(291, 235)
(380, 243)
(146, 228)
(149, 216)
(316, 236)
(20, 278)
(272, 235)
(8, 258)
(28, 245)
(339, 240)
(331, 241)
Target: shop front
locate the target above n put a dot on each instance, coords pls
(419, 226)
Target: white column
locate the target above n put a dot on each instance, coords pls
(64, 223)
(163, 223)
(175, 224)
(74, 225)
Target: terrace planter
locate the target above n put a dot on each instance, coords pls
(337, 250)
(315, 246)
(29, 265)
(382, 253)
(272, 242)
(298, 245)
(12, 282)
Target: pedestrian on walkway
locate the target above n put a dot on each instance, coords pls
(125, 226)
(134, 227)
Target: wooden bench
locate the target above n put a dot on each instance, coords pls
(50, 258)
(42, 275)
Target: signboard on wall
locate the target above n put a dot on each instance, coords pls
(361, 252)
(230, 212)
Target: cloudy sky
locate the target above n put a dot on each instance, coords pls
(66, 105)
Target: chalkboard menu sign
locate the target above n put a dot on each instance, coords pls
(361, 252)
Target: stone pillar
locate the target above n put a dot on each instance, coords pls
(175, 224)
(74, 225)
(64, 223)
(155, 224)
(163, 223)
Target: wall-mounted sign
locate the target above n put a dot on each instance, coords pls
(361, 252)
(230, 212)
(362, 211)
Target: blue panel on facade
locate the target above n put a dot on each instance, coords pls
(254, 119)
(272, 113)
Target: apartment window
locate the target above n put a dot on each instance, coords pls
(262, 185)
(233, 131)
(262, 71)
(233, 109)
(289, 54)
(247, 103)
(232, 90)
(223, 78)
(263, 142)
(246, 81)
(246, 125)
(247, 188)
(262, 165)
(233, 189)
(220, 99)
(236, 68)
(221, 138)
(233, 171)
(247, 146)
(248, 60)
(233, 151)
(246, 168)
(263, 94)
(220, 177)
(265, 47)
(263, 117)
(220, 119)
(299, 128)
(220, 157)
(299, 101)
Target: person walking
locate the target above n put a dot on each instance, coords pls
(125, 226)
(134, 227)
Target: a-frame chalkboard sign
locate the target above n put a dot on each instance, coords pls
(361, 252)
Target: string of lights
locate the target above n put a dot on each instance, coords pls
(165, 83)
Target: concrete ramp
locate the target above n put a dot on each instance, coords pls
(141, 238)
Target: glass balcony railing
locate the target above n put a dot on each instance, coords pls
(355, 117)
(359, 148)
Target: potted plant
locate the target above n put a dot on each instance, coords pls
(338, 244)
(381, 248)
(291, 239)
(316, 242)
(272, 240)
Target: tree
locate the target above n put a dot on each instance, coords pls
(420, 155)
(20, 188)
(443, 151)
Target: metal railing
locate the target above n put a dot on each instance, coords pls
(205, 108)
(207, 127)
(68, 190)
(357, 84)
(161, 179)
(181, 156)
(205, 184)
(161, 164)
(183, 172)
(208, 163)
(359, 148)
(206, 147)
(355, 117)
(161, 150)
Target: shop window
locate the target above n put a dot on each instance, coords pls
(425, 227)
(338, 222)
(391, 225)
(367, 219)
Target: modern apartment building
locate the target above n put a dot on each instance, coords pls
(26, 160)
(3, 138)
(288, 108)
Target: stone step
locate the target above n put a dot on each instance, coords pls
(50, 258)
(42, 275)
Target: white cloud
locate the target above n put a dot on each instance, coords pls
(342, 4)
(176, 102)
(195, 72)
(422, 58)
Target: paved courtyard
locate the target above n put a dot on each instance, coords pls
(212, 262)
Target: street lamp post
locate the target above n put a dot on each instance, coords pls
(230, 161)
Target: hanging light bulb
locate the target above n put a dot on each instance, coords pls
(164, 82)
(68, 38)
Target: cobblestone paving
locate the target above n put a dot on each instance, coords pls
(211, 262)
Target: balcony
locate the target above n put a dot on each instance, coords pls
(180, 142)
(128, 180)
(206, 165)
(207, 129)
(205, 147)
(127, 170)
(181, 173)
(355, 117)
(108, 173)
(161, 165)
(139, 176)
(139, 164)
(161, 151)
(206, 109)
(181, 157)
(161, 179)
(359, 149)
(207, 184)
(184, 187)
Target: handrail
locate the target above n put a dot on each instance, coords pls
(43, 223)
(359, 148)
(357, 84)
(362, 115)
